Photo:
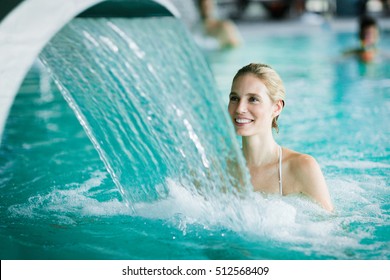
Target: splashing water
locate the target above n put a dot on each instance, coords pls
(148, 104)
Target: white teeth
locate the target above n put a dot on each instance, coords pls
(243, 121)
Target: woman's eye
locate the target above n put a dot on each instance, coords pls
(253, 99)
(233, 99)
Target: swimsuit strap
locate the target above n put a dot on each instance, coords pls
(280, 171)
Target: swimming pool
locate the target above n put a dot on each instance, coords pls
(59, 199)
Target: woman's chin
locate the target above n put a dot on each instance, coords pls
(242, 132)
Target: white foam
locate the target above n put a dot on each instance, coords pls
(293, 220)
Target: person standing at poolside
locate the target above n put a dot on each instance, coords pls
(255, 103)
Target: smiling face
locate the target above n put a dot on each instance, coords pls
(250, 107)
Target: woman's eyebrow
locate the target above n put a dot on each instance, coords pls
(254, 95)
(246, 94)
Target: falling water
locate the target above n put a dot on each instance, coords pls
(148, 103)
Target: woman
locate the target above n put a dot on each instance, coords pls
(255, 103)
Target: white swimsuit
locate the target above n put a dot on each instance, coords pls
(280, 171)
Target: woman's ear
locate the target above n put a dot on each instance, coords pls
(278, 107)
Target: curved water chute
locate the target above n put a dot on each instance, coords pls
(29, 25)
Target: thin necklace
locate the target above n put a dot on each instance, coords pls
(280, 171)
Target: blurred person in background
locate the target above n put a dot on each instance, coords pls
(223, 30)
(369, 37)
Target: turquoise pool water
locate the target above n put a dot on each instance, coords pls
(136, 167)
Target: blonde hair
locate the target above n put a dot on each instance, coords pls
(271, 80)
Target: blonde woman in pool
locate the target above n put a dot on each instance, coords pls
(255, 103)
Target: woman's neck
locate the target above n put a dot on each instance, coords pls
(258, 150)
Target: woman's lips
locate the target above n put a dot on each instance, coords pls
(242, 121)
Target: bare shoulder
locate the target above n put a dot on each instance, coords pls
(302, 164)
(306, 176)
(298, 163)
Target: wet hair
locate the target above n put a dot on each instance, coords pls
(271, 80)
(364, 23)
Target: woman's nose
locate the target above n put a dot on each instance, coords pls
(241, 107)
